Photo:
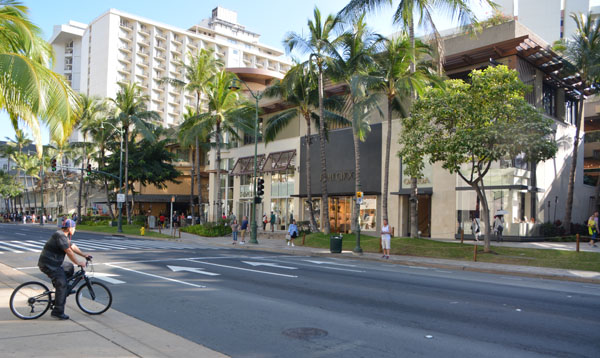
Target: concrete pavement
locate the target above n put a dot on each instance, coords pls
(112, 334)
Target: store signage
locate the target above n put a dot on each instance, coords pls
(340, 176)
(419, 181)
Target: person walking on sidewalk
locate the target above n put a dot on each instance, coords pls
(265, 221)
(593, 229)
(272, 221)
(498, 227)
(244, 228)
(386, 238)
(292, 232)
(234, 230)
(51, 262)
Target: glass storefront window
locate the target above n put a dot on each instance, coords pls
(284, 212)
(317, 208)
(340, 214)
(282, 183)
(368, 213)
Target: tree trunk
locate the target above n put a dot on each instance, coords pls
(126, 174)
(414, 204)
(486, 214)
(80, 189)
(386, 171)
(198, 181)
(112, 215)
(218, 170)
(571, 186)
(324, 197)
(311, 209)
(192, 184)
(356, 212)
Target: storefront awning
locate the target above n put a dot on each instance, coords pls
(245, 165)
(279, 161)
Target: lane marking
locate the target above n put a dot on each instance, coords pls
(328, 263)
(108, 277)
(11, 247)
(156, 276)
(192, 269)
(253, 263)
(19, 233)
(243, 269)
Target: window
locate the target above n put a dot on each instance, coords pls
(570, 111)
(549, 100)
(368, 213)
(282, 183)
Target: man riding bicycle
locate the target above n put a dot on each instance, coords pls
(51, 262)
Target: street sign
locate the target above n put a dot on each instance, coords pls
(359, 197)
(120, 198)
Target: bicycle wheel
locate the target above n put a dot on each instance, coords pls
(30, 300)
(94, 298)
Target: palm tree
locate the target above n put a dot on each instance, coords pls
(395, 80)
(299, 89)
(29, 91)
(405, 16)
(226, 114)
(583, 51)
(198, 72)
(21, 141)
(352, 66)
(93, 111)
(104, 138)
(131, 112)
(31, 168)
(318, 45)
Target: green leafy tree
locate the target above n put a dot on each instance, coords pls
(407, 13)
(319, 43)
(198, 73)
(133, 116)
(468, 126)
(583, 52)
(29, 90)
(299, 89)
(396, 81)
(227, 113)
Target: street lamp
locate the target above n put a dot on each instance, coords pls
(257, 96)
(119, 204)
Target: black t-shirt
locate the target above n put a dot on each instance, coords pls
(53, 254)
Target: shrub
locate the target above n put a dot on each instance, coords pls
(303, 227)
(209, 229)
(94, 220)
(139, 220)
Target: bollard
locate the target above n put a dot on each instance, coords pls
(475, 252)
(462, 235)
(577, 236)
(180, 233)
(159, 227)
(303, 238)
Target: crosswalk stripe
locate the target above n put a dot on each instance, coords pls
(21, 247)
(9, 248)
(16, 246)
(37, 249)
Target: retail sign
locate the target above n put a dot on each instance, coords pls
(346, 175)
(423, 182)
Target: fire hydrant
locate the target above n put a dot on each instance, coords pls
(142, 230)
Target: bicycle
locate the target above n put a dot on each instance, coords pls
(32, 299)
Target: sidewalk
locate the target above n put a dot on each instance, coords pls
(279, 246)
(112, 334)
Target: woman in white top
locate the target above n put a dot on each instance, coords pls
(385, 239)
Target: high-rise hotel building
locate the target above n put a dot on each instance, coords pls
(118, 47)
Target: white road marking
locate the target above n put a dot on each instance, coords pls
(108, 277)
(328, 263)
(192, 269)
(253, 263)
(243, 269)
(11, 247)
(18, 233)
(156, 276)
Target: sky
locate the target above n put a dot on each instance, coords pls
(271, 19)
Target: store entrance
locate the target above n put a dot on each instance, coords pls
(424, 215)
(340, 214)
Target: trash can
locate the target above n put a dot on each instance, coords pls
(335, 244)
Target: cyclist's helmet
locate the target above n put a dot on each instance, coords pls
(68, 223)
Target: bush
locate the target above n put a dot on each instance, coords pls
(209, 229)
(303, 227)
(94, 220)
(139, 220)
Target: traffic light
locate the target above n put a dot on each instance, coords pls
(260, 188)
(89, 169)
(53, 164)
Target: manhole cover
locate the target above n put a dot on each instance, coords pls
(305, 333)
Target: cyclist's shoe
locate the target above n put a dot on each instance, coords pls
(60, 316)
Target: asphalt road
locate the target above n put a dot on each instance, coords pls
(259, 304)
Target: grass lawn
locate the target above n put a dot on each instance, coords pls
(127, 230)
(589, 261)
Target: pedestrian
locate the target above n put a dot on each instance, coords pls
(498, 227)
(161, 219)
(292, 232)
(386, 239)
(475, 228)
(264, 221)
(244, 228)
(234, 230)
(272, 221)
(51, 262)
(174, 219)
(593, 229)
